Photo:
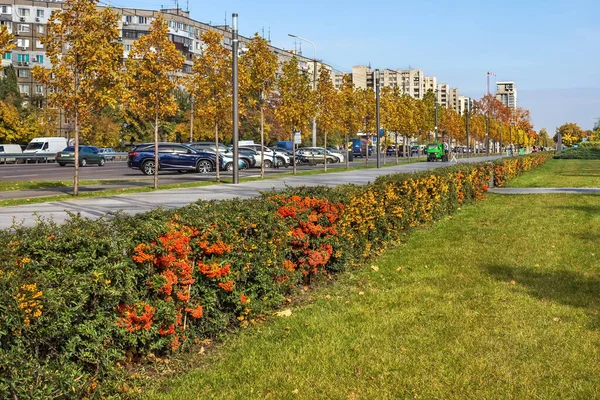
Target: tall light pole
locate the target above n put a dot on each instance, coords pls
(234, 80)
(436, 116)
(377, 97)
(314, 120)
(487, 119)
(467, 109)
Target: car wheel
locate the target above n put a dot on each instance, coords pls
(268, 163)
(280, 162)
(181, 171)
(101, 162)
(204, 166)
(229, 166)
(62, 164)
(245, 164)
(148, 167)
(82, 162)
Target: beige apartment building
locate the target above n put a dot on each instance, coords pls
(453, 99)
(430, 83)
(27, 19)
(506, 93)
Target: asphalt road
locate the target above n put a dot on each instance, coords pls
(118, 170)
(169, 199)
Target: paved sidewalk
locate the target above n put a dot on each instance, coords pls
(176, 198)
(545, 190)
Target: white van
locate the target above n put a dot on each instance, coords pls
(46, 146)
(9, 149)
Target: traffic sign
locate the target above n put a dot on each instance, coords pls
(297, 138)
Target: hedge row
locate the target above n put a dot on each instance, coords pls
(81, 299)
(585, 151)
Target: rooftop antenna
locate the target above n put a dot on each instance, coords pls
(187, 6)
(225, 18)
(269, 34)
(263, 32)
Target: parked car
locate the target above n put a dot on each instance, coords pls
(87, 155)
(109, 154)
(171, 156)
(247, 160)
(315, 155)
(45, 146)
(9, 149)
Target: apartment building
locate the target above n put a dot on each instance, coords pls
(27, 19)
(430, 83)
(464, 103)
(412, 82)
(506, 93)
(443, 94)
(453, 99)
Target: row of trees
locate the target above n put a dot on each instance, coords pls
(572, 133)
(148, 98)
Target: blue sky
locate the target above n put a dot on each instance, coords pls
(542, 45)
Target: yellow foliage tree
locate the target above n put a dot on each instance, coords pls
(9, 123)
(210, 84)
(258, 67)
(82, 44)
(150, 79)
(296, 99)
(6, 41)
(350, 114)
(328, 102)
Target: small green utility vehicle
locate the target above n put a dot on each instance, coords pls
(437, 151)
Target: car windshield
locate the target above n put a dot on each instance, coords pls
(432, 146)
(35, 146)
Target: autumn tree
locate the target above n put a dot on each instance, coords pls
(571, 133)
(258, 67)
(328, 104)
(150, 80)
(350, 116)
(82, 44)
(366, 109)
(6, 41)
(210, 84)
(296, 99)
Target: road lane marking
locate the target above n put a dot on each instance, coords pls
(19, 176)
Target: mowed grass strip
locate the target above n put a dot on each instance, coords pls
(561, 173)
(500, 301)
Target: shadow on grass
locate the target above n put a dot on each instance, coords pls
(591, 210)
(564, 287)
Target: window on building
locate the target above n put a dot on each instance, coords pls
(38, 44)
(24, 89)
(24, 28)
(127, 47)
(39, 59)
(41, 29)
(4, 10)
(143, 20)
(40, 13)
(7, 56)
(24, 12)
(39, 89)
(22, 57)
(128, 19)
(23, 73)
(22, 42)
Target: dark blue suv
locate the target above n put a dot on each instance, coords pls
(171, 156)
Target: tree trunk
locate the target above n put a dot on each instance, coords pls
(191, 118)
(367, 152)
(262, 143)
(294, 150)
(396, 143)
(156, 152)
(325, 149)
(76, 169)
(347, 152)
(218, 163)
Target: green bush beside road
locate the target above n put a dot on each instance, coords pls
(83, 299)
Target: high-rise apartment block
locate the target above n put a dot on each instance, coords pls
(27, 19)
(464, 104)
(410, 82)
(506, 93)
(430, 84)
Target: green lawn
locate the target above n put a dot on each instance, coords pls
(500, 301)
(562, 173)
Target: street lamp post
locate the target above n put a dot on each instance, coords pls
(235, 116)
(314, 120)
(467, 125)
(487, 119)
(377, 118)
(436, 116)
